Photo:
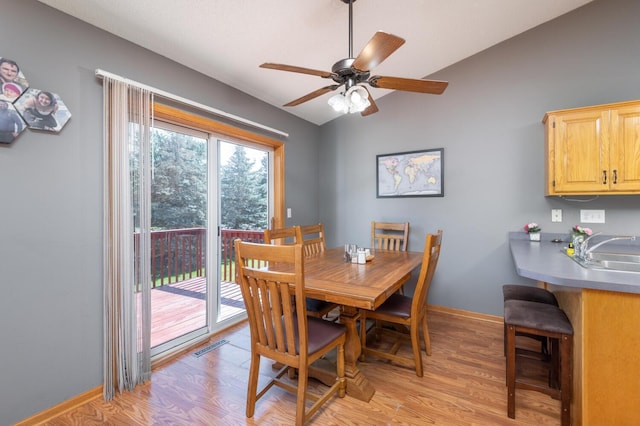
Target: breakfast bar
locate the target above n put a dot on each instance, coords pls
(604, 309)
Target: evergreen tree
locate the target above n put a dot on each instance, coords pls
(243, 203)
(179, 181)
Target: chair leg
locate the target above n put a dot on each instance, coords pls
(341, 369)
(427, 339)
(511, 371)
(252, 388)
(415, 346)
(303, 375)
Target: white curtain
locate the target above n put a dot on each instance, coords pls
(128, 117)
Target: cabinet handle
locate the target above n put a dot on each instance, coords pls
(615, 176)
(604, 177)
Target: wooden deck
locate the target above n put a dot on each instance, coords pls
(179, 308)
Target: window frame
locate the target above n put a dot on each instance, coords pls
(197, 122)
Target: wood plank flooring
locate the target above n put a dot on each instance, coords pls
(464, 384)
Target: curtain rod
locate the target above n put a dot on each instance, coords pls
(102, 73)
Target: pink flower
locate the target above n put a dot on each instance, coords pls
(582, 230)
(531, 227)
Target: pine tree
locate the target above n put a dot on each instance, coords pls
(179, 181)
(243, 201)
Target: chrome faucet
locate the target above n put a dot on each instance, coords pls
(584, 250)
(581, 247)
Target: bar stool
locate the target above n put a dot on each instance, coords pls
(549, 322)
(531, 294)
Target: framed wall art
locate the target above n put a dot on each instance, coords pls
(43, 110)
(410, 174)
(12, 81)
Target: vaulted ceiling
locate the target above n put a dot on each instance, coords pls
(228, 39)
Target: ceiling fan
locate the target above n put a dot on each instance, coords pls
(351, 72)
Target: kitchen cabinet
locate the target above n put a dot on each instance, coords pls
(593, 150)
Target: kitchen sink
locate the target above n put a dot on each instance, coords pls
(600, 256)
(628, 262)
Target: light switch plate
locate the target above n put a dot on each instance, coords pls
(592, 216)
(556, 215)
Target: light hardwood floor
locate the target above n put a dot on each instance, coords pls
(464, 384)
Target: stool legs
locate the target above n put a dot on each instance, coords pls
(511, 371)
(565, 352)
(566, 355)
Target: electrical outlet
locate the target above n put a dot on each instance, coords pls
(592, 216)
(556, 215)
(289, 213)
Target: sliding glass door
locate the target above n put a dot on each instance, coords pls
(179, 166)
(245, 194)
(205, 193)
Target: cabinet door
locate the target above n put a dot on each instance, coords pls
(625, 149)
(581, 152)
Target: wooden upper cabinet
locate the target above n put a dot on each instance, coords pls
(593, 150)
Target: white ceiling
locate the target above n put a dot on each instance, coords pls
(228, 39)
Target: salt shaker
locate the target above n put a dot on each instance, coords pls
(362, 257)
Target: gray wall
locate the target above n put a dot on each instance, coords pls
(489, 123)
(51, 200)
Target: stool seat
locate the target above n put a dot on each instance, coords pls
(529, 293)
(540, 316)
(548, 322)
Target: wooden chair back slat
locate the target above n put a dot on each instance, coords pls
(283, 236)
(313, 239)
(390, 235)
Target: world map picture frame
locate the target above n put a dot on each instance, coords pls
(410, 174)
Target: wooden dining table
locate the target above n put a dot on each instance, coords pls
(328, 277)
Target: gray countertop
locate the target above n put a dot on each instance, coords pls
(546, 261)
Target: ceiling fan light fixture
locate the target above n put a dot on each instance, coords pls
(339, 103)
(357, 98)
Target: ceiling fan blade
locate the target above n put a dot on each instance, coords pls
(313, 95)
(434, 87)
(301, 70)
(377, 50)
(371, 109)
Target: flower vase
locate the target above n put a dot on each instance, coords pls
(534, 236)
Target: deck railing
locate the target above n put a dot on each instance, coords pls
(180, 254)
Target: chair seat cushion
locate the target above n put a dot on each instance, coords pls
(529, 293)
(538, 316)
(396, 305)
(320, 333)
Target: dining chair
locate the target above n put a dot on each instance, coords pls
(285, 236)
(390, 235)
(405, 311)
(281, 331)
(313, 239)
(313, 242)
